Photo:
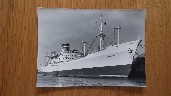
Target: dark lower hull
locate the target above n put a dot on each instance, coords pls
(119, 70)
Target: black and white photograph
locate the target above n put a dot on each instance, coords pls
(91, 47)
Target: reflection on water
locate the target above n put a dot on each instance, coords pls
(52, 81)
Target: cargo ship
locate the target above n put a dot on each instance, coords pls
(114, 60)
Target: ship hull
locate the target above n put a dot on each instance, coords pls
(106, 65)
(106, 71)
(109, 63)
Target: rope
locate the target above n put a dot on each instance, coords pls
(91, 45)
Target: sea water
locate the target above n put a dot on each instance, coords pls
(54, 81)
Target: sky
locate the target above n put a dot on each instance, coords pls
(59, 26)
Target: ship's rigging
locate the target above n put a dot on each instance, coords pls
(88, 46)
(104, 41)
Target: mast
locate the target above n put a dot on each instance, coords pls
(101, 34)
(84, 48)
(118, 29)
(47, 58)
